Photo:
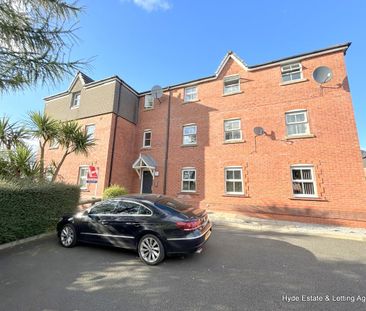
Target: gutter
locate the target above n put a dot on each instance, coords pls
(167, 142)
(114, 135)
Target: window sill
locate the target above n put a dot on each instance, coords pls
(235, 195)
(145, 148)
(234, 93)
(148, 109)
(191, 145)
(190, 102)
(299, 136)
(237, 141)
(293, 82)
(308, 199)
(75, 107)
(187, 193)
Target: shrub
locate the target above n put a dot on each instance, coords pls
(28, 209)
(114, 191)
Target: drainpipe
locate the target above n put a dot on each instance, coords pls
(114, 135)
(167, 143)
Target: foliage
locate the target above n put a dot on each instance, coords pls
(73, 139)
(36, 37)
(22, 163)
(11, 134)
(114, 191)
(28, 209)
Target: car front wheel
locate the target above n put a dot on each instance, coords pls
(151, 250)
(68, 236)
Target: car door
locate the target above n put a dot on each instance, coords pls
(94, 225)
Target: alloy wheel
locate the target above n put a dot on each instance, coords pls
(67, 236)
(150, 250)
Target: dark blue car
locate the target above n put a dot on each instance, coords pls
(154, 225)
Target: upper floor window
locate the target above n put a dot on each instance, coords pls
(231, 84)
(147, 139)
(303, 181)
(149, 101)
(83, 174)
(54, 144)
(188, 180)
(190, 134)
(90, 130)
(232, 130)
(75, 102)
(234, 180)
(190, 94)
(297, 123)
(291, 72)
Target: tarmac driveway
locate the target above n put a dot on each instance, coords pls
(237, 270)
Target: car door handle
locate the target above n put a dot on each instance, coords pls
(136, 224)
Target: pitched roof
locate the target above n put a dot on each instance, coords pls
(86, 79)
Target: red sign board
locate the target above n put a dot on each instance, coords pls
(92, 176)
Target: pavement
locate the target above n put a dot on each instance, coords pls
(238, 269)
(279, 226)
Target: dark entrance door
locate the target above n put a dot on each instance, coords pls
(146, 182)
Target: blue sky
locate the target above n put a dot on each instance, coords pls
(148, 42)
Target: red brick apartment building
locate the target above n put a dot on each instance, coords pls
(197, 141)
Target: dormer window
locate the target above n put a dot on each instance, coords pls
(75, 102)
(231, 84)
(291, 72)
(149, 102)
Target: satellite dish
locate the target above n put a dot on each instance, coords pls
(258, 131)
(156, 92)
(322, 74)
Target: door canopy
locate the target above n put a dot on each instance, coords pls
(144, 162)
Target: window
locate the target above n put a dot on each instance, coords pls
(232, 129)
(188, 180)
(147, 139)
(231, 84)
(103, 208)
(149, 102)
(189, 134)
(291, 72)
(83, 174)
(90, 129)
(131, 208)
(233, 180)
(297, 123)
(75, 102)
(54, 144)
(303, 182)
(190, 94)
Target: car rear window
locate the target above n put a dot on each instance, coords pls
(174, 204)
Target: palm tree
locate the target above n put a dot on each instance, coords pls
(21, 162)
(73, 139)
(11, 134)
(45, 129)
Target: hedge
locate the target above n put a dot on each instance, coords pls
(31, 209)
(114, 191)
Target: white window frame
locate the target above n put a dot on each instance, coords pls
(189, 125)
(306, 121)
(294, 68)
(54, 144)
(189, 95)
(88, 126)
(149, 102)
(234, 168)
(312, 180)
(233, 139)
(75, 100)
(229, 79)
(82, 167)
(190, 169)
(144, 139)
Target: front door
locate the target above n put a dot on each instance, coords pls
(146, 183)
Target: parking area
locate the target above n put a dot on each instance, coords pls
(237, 270)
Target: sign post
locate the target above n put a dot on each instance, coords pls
(92, 177)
